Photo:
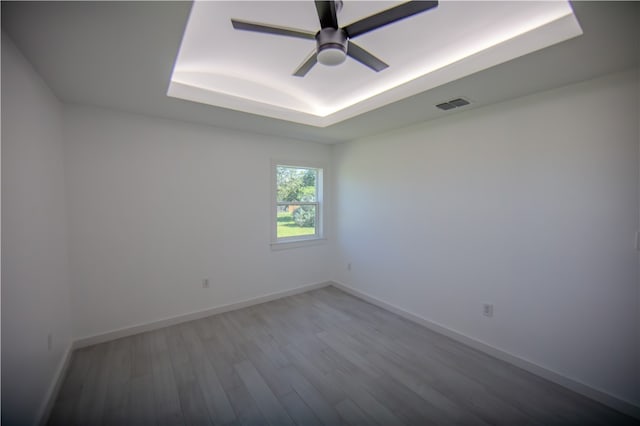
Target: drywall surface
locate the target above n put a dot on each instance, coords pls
(156, 206)
(35, 285)
(530, 205)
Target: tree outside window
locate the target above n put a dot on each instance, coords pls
(297, 204)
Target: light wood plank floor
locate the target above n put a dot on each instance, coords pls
(322, 357)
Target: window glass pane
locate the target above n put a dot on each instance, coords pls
(296, 184)
(295, 220)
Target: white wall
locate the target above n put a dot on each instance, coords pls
(531, 205)
(35, 286)
(157, 205)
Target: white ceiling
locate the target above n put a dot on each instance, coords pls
(251, 72)
(120, 55)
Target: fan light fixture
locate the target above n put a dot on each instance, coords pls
(332, 56)
(332, 46)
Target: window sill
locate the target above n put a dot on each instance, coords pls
(285, 245)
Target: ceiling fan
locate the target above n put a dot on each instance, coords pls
(333, 43)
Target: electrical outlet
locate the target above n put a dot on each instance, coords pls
(205, 283)
(49, 341)
(348, 266)
(487, 310)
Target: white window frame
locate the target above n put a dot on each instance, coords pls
(301, 241)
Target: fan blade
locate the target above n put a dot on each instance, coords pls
(307, 64)
(272, 29)
(364, 57)
(327, 14)
(388, 16)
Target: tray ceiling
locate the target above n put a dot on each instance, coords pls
(252, 72)
(120, 56)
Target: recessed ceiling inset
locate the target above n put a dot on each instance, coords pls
(251, 72)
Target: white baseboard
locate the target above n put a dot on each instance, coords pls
(154, 325)
(54, 387)
(605, 398)
(574, 385)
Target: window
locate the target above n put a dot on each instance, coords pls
(297, 203)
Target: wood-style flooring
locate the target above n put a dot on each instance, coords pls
(322, 357)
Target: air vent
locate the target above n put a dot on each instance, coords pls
(459, 102)
(454, 103)
(445, 106)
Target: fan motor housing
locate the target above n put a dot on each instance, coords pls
(332, 46)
